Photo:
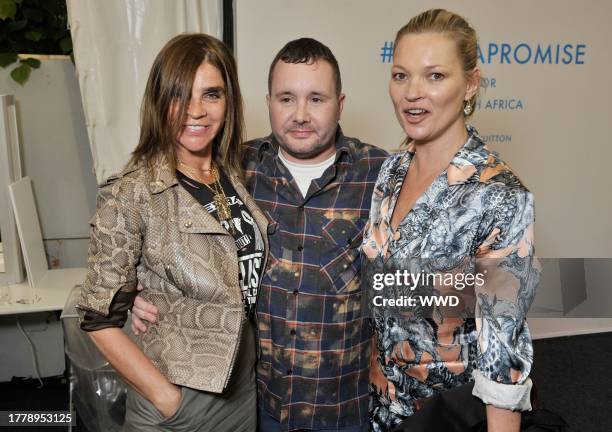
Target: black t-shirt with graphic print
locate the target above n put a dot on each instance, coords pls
(246, 234)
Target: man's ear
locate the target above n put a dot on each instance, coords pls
(341, 98)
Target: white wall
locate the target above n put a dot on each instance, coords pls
(558, 142)
(55, 154)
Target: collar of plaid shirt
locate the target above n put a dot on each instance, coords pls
(313, 339)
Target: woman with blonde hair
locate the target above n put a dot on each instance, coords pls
(448, 211)
(179, 220)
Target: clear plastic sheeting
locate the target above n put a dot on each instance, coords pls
(98, 398)
(115, 43)
(96, 391)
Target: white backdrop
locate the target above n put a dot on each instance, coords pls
(115, 43)
(546, 112)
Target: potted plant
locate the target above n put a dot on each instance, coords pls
(32, 27)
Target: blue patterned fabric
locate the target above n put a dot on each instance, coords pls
(475, 218)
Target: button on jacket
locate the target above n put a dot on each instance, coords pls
(148, 228)
(314, 339)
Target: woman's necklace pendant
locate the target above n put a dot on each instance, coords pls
(223, 210)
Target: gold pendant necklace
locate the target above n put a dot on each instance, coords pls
(219, 198)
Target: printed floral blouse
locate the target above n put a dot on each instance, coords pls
(468, 239)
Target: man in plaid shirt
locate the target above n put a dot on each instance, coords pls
(315, 186)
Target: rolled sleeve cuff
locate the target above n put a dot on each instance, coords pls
(515, 397)
(117, 316)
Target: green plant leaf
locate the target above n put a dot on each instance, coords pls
(66, 45)
(8, 9)
(32, 62)
(21, 73)
(33, 35)
(31, 26)
(7, 58)
(16, 25)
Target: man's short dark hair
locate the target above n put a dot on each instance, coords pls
(309, 51)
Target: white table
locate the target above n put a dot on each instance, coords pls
(50, 294)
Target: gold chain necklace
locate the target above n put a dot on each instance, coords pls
(219, 198)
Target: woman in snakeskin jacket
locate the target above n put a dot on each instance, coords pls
(179, 220)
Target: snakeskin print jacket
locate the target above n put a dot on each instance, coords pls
(149, 229)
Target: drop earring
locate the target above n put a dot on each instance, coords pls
(467, 108)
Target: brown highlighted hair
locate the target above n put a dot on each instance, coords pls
(453, 25)
(170, 81)
(309, 51)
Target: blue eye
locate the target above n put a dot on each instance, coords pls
(437, 76)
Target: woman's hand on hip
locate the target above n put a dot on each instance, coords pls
(142, 311)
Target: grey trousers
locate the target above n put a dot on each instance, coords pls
(235, 410)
